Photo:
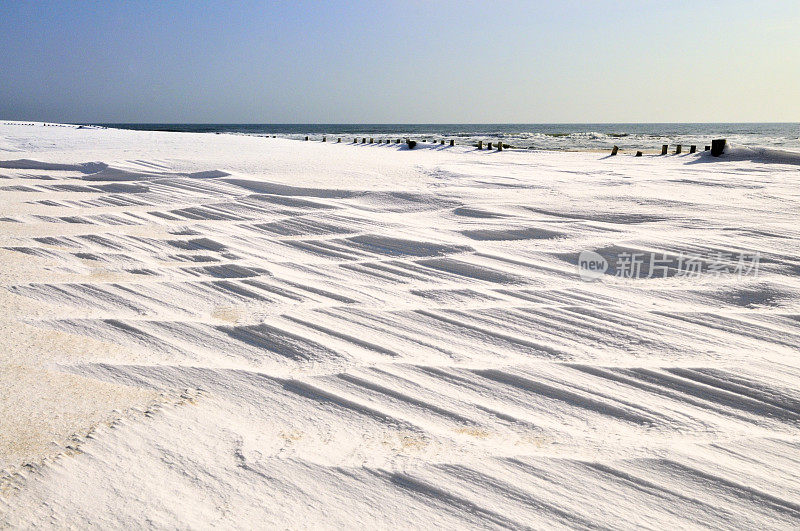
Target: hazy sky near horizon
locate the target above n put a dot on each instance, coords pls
(400, 62)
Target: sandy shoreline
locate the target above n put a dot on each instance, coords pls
(212, 329)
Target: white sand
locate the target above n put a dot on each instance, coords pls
(205, 329)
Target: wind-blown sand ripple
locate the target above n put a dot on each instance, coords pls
(243, 332)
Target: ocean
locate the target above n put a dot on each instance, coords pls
(562, 137)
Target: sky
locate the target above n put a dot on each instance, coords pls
(407, 61)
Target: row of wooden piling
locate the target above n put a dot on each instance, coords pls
(411, 143)
(679, 149)
(716, 148)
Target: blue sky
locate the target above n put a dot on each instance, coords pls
(400, 62)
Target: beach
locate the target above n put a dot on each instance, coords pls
(220, 329)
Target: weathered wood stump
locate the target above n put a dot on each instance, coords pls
(638, 153)
(614, 150)
(664, 149)
(452, 142)
(692, 149)
(411, 144)
(480, 144)
(717, 147)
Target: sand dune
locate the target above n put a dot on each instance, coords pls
(217, 329)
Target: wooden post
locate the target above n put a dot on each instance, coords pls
(499, 146)
(452, 142)
(614, 150)
(692, 149)
(717, 147)
(708, 148)
(664, 149)
(638, 153)
(339, 141)
(678, 149)
(489, 144)
(364, 140)
(480, 144)
(411, 144)
(441, 142)
(397, 141)
(323, 139)
(306, 139)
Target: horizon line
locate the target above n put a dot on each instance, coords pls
(413, 123)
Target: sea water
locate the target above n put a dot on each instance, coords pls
(565, 137)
